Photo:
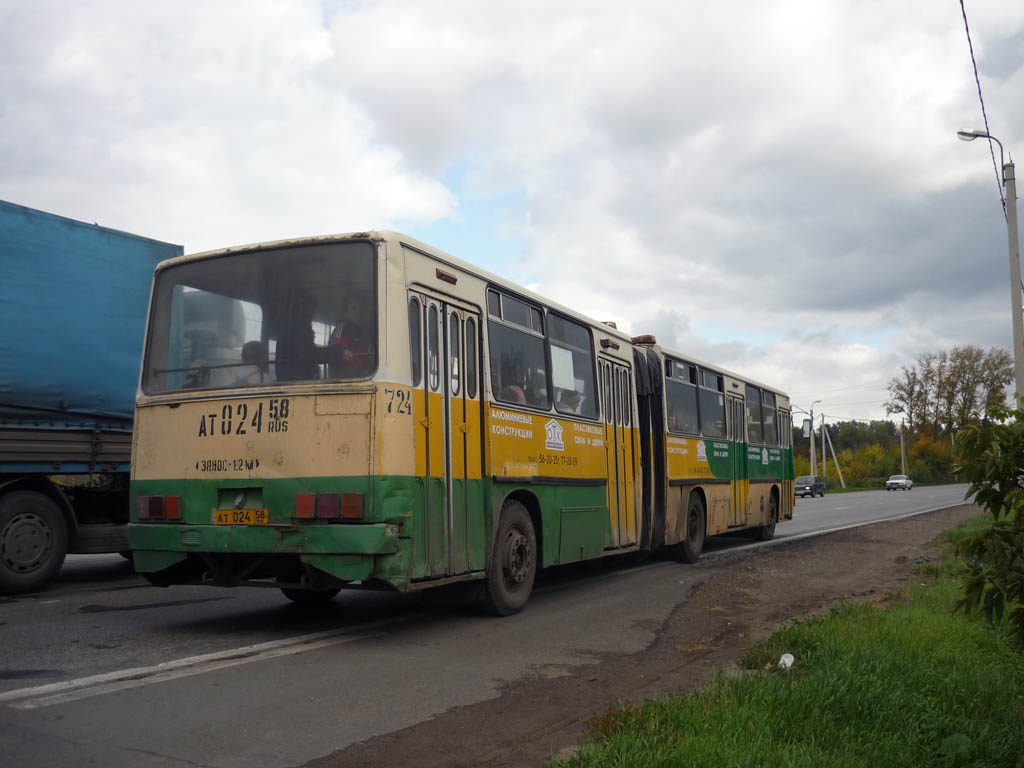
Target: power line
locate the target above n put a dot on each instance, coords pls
(977, 80)
(841, 389)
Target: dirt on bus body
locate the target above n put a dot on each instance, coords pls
(757, 594)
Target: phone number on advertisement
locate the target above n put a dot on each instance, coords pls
(555, 459)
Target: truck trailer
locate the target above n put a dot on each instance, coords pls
(73, 301)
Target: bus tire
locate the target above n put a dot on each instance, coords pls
(688, 550)
(33, 541)
(765, 532)
(309, 596)
(513, 564)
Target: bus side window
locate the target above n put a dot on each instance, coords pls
(515, 333)
(433, 352)
(415, 340)
(455, 351)
(471, 374)
(755, 428)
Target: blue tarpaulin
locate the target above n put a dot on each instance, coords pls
(73, 299)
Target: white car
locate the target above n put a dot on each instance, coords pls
(898, 483)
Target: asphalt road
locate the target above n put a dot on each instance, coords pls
(103, 668)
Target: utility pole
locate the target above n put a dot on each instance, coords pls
(1010, 209)
(1015, 300)
(834, 457)
(824, 456)
(814, 466)
(903, 451)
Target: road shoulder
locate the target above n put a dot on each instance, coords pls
(755, 594)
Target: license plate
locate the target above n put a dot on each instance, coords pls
(240, 517)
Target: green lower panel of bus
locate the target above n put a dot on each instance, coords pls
(410, 529)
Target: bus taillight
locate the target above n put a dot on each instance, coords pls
(329, 506)
(352, 506)
(158, 508)
(305, 505)
(172, 507)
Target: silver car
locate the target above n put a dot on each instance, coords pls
(898, 483)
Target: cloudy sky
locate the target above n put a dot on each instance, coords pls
(771, 185)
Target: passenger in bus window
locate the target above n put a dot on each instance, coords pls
(570, 401)
(254, 365)
(350, 348)
(198, 375)
(297, 354)
(537, 390)
(511, 390)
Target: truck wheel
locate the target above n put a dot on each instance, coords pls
(513, 565)
(688, 550)
(33, 541)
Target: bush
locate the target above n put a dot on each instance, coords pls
(991, 458)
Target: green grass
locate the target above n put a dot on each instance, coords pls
(905, 683)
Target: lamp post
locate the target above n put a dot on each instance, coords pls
(1010, 185)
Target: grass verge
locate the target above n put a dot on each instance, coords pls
(904, 683)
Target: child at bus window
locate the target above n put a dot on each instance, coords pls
(350, 348)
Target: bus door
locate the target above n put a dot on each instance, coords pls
(453, 531)
(617, 402)
(740, 481)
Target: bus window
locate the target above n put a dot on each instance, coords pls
(755, 430)
(627, 400)
(471, 374)
(572, 367)
(455, 350)
(771, 433)
(712, 404)
(518, 364)
(681, 397)
(433, 352)
(284, 309)
(415, 340)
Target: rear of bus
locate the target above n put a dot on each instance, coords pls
(256, 456)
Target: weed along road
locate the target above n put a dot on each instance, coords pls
(103, 668)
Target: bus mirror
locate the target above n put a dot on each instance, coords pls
(807, 427)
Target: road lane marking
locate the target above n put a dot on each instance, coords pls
(108, 682)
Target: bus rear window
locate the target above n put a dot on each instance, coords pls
(273, 316)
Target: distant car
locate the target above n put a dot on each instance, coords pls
(809, 485)
(899, 483)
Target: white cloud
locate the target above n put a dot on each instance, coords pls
(772, 186)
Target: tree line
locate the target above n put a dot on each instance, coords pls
(941, 394)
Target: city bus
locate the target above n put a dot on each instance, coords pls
(366, 411)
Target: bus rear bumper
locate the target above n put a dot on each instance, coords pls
(344, 551)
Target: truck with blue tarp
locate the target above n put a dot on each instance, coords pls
(73, 302)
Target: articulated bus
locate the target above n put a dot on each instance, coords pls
(366, 411)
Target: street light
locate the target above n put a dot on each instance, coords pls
(1011, 233)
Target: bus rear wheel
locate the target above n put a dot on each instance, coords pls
(33, 541)
(765, 532)
(688, 550)
(513, 564)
